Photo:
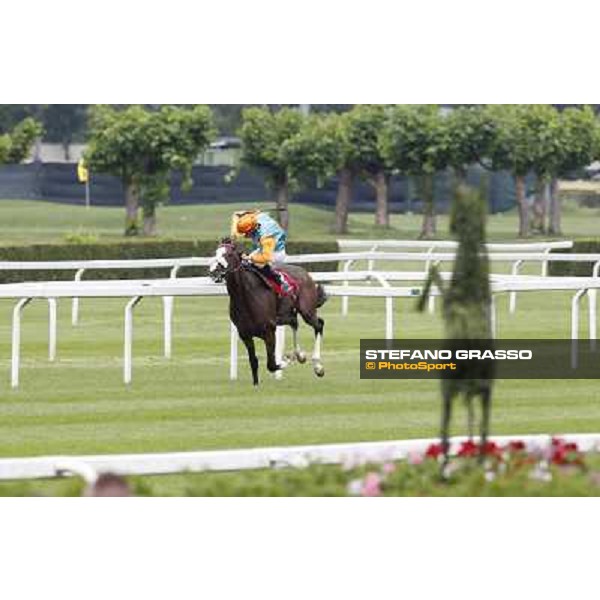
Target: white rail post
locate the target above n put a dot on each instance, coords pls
(168, 303)
(593, 307)
(575, 327)
(16, 342)
(545, 263)
(513, 295)
(75, 304)
(432, 298)
(128, 345)
(345, 299)
(494, 317)
(389, 309)
(279, 350)
(52, 327)
(371, 264)
(428, 260)
(233, 353)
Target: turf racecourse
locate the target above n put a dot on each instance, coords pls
(79, 404)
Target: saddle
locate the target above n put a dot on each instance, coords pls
(277, 281)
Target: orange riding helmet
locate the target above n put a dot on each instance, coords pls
(247, 224)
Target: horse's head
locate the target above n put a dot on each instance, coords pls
(228, 259)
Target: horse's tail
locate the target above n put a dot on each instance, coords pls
(322, 296)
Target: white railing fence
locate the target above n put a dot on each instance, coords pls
(350, 454)
(135, 291)
(168, 289)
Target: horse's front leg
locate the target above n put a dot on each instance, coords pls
(270, 343)
(251, 348)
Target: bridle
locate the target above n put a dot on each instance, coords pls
(230, 248)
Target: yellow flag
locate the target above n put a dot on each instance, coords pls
(82, 172)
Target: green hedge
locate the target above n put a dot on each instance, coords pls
(589, 246)
(132, 251)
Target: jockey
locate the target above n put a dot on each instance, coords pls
(269, 243)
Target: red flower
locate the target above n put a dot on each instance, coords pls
(559, 456)
(434, 451)
(468, 449)
(515, 447)
(492, 449)
(564, 453)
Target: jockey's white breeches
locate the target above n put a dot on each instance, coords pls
(279, 257)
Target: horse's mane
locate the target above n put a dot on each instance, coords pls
(227, 241)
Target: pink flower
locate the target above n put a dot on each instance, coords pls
(372, 485)
(389, 468)
(416, 458)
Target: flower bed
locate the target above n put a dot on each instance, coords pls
(556, 469)
(559, 469)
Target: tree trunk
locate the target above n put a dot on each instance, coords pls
(460, 179)
(67, 150)
(282, 200)
(429, 228)
(132, 207)
(382, 212)
(540, 207)
(523, 207)
(555, 227)
(344, 199)
(150, 221)
(37, 151)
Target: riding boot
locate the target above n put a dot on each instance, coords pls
(278, 278)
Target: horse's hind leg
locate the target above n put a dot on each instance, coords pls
(249, 343)
(319, 326)
(299, 354)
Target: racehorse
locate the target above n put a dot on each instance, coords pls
(256, 310)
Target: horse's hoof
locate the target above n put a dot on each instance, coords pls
(320, 371)
(301, 358)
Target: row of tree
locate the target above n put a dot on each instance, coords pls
(374, 142)
(66, 124)
(145, 145)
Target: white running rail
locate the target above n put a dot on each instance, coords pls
(351, 454)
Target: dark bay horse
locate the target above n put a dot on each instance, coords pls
(257, 311)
